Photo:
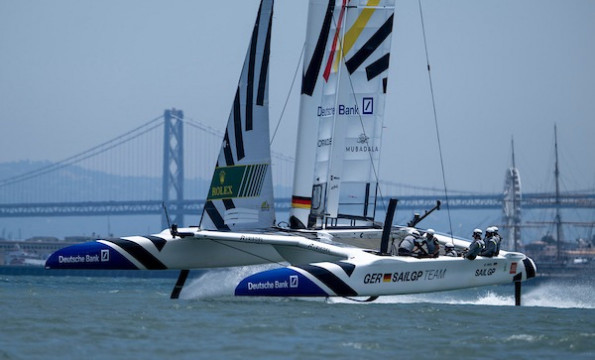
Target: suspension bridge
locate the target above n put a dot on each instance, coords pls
(137, 172)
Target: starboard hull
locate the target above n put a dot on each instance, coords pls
(387, 275)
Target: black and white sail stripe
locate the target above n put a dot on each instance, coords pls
(251, 91)
(253, 180)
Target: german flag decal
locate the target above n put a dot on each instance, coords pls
(301, 202)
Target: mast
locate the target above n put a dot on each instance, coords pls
(516, 202)
(512, 204)
(514, 238)
(557, 177)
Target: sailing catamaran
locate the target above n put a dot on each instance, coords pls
(333, 246)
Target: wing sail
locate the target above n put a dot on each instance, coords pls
(318, 32)
(351, 113)
(241, 191)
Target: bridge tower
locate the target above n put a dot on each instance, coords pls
(173, 166)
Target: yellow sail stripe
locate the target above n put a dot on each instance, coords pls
(354, 32)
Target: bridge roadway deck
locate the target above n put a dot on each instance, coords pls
(187, 207)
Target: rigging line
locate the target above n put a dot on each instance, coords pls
(72, 159)
(423, 29)
(297, 69)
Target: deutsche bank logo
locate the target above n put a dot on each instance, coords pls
(105, 255)
(293, 281)
(368, 106)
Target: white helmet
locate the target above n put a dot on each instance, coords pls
(430, 231)
(449, 246)
(489, 230)
(494, 229)
(415, 233)
(477, 231)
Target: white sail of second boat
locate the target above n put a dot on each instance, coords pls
(343, 96)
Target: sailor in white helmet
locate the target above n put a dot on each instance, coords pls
(475, 247)
(449, 250)
(499, 239)
(491, 243)
(432, 243)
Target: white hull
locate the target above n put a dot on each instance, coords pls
(320, 267)
(370, 274)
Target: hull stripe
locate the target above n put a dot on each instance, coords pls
(157, 241)
(338, 286)
(139, 253)
(348, 268)
(529, 268)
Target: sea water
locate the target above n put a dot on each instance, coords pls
(79, 317)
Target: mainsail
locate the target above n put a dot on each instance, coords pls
(241, 191)
(347, 106)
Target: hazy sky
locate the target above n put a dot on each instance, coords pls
(75, 73)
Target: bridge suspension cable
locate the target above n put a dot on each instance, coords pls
(94, 151)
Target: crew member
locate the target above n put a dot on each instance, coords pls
(491, 243)
(407, 245)
(432, 243)
(499, 240)
(421, 248)
(475, 247)
(449, 249)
